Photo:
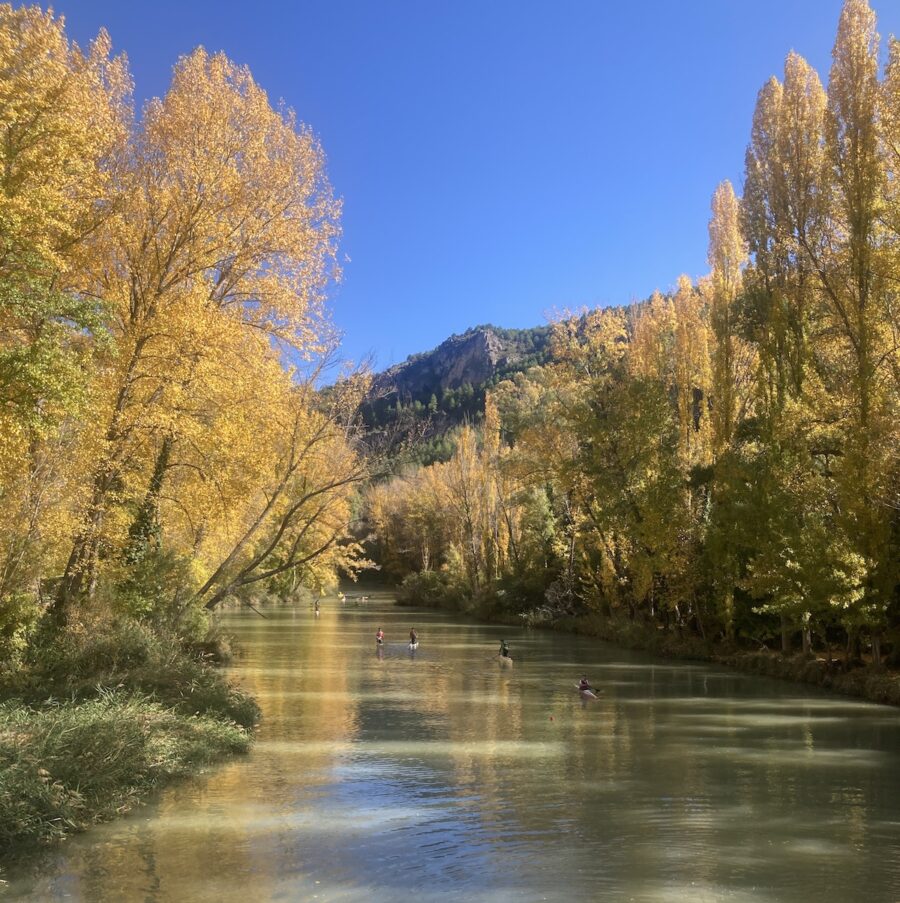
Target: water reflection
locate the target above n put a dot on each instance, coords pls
(379, 775)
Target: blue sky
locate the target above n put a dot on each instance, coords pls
(499, 159)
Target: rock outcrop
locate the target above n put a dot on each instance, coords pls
(473, 358)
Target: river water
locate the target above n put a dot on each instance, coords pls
(443, 775)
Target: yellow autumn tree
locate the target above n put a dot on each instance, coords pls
(224, 216)
(64, 117)
(163, 441)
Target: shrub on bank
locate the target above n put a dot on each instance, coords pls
(127, 655)
(494, 602)
(430, 589)
(66, 766)
(99, 715)
(875, 684)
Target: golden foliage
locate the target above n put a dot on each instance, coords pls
(199, 242)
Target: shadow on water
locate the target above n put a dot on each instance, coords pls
(379, 775)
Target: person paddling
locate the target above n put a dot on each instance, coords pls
(504, 649)
(584, 684)
(379, 636)
(413, 636)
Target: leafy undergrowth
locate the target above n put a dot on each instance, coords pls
(876, 684)
(126, 655)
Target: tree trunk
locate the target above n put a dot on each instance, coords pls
(81, 567)
(700, 628)
(729, 615)
(144, 529)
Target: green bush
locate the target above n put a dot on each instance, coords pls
(154, 586)
(431, 589)
(19, 612)
(127, 654)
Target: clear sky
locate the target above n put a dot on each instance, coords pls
(499, 159)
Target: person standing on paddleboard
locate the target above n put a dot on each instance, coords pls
(504, 649)
(413, 636)
(379, 636)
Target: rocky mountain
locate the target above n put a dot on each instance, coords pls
(420, 400)
(475, 358)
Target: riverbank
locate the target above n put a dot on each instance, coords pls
(101, 718)
(880, 685)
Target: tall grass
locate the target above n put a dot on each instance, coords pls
(65, 766)
(128, 655)
(99, 716)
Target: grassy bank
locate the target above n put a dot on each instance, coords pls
(66, 766)
(101, 717)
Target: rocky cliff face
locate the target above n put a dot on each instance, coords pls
(470, 358)
(473, 357)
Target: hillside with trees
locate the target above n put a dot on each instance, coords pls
(413, 409)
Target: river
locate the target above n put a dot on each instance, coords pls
(441, 775)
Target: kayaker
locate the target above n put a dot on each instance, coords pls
(504, 649)
(583, 684)
(413, 636)
(379, 636)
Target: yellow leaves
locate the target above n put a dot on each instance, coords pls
(650, 354)
(230, 192)
(222, 241)
(731, 356)
(889, 115)
(206, 232)
(853, 99)
(63, 119)
(593, 342)
(692, 374)
(459, 514)
(727, 249)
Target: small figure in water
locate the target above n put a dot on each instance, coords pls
(584, 684)
(317, 607)
(504, 649)
(379, 636)
(413, 636)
